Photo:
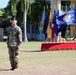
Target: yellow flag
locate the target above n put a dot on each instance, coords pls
(49, 31)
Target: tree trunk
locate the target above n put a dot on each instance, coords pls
(25, 29)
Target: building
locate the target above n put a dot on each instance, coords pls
(64, 5)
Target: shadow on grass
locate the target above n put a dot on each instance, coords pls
(30, 51)
(4, 69)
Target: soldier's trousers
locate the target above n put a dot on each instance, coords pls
(13, 56)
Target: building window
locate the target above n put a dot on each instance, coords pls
(65, 5)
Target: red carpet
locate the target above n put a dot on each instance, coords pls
(58, 46)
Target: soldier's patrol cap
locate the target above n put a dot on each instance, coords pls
(14, 18)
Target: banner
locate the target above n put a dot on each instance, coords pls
(67, 19)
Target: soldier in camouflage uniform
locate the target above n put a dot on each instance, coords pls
(14, 39)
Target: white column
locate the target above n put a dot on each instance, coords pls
(59, 5)
(52, 4)
(56, 4)
(73, 4)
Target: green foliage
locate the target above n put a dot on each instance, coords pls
(24, 4)
(2, 17)
(1, 13)
(33, 10)
(14, 7)
(36, 10)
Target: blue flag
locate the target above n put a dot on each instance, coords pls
(42, 24)
(67, 19)
(42, 21)
(46, 23)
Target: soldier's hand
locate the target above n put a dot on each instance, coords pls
(7, 46)
(17, 47)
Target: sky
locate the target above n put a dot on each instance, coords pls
(3, 3)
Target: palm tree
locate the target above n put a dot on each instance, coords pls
(24, 8)
(13, 4)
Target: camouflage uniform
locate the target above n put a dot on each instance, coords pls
(13, 41)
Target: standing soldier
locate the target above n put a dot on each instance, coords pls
(14, 38)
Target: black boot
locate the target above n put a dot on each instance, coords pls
(13, 68)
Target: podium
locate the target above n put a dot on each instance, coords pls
(58, 46)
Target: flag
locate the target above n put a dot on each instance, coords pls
(53, 26)
(62, 29)
(56, 15)
(53, 30)
(42, 24)
(49, 31)
(42, 21)
(46, 23)
(67, 19)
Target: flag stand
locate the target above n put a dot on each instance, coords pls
(58, 46)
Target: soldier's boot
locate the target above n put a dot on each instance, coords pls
(13, 66)
(16, 64)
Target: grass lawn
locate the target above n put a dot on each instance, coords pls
(31, 51)
(35, 59)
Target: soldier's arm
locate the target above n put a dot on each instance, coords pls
(7, 32)
(19, 36)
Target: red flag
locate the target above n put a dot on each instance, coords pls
(53, 31)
